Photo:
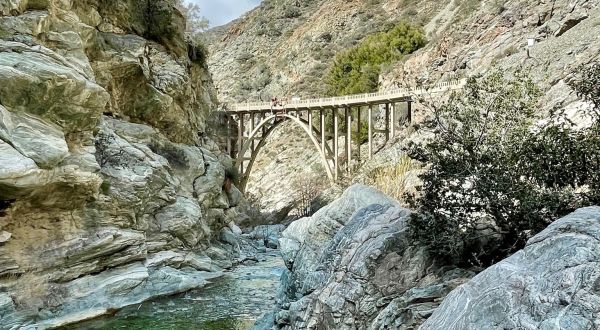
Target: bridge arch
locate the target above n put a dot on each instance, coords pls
(263, 129)
(331, 156)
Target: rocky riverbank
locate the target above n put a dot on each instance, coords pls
(233, 301)
(353, 266)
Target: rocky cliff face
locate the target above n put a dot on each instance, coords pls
(111, 191)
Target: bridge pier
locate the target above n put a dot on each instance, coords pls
(241, 141)
(348, 139)
(358, 131)
(387, 122)
(323, 135)
(229, 146)
(392, 120)
(370, 133)
(336, 150)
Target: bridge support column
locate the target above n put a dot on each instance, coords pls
(393, 119)
(336, 150)
(310, 121)
(358, 130)
(323, 136)
(409, 113)
(370, 121)
(387, 122)
(229, 135)
(251, 130)
(348, 139)
(241, 142)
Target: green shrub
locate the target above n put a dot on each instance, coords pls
(362, 134)
(232, 174)
(290, 11)
(197, 50)
(494, 178)
(357, 70)
(105, 187)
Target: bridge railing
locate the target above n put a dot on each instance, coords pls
(357, 98)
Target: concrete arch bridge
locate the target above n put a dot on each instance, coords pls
(257, 120)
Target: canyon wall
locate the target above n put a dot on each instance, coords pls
(112, 189)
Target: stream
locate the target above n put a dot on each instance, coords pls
(232, 302)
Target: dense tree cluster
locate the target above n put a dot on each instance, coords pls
(498, 173)
(357, 70)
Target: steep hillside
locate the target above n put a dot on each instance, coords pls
(284, 48)
(110, 192)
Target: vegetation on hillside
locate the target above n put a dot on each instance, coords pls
(357, 70)
(497, 176)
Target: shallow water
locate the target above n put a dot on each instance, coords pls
(232, 302)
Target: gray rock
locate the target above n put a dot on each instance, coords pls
(229, 237)
(96, 295)
(352, 266)
(182, 220)
(269, 235)
(35, 79)
(4, 236)
(550, 284)
(266, 322)
(43, 143)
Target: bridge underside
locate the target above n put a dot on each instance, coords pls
(254, 126)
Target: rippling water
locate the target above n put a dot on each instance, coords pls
(233, 302)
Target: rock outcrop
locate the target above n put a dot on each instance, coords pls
(110, 191)
(352, 266)
(551, 284)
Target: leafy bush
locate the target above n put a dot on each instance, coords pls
(291, 11)
(358, 69)
(496, 176)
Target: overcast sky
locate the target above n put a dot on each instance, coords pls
(220, 12)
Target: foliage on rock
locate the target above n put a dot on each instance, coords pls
(496, 176)
(357, 70)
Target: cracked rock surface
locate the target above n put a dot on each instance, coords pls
(551, 284)
(110, 192)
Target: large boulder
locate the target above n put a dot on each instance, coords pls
(551, 284)
(353, 266)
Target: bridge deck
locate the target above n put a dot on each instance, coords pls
(397, 95)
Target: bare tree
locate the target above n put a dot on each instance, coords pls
(308, 189)
(196, 23)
